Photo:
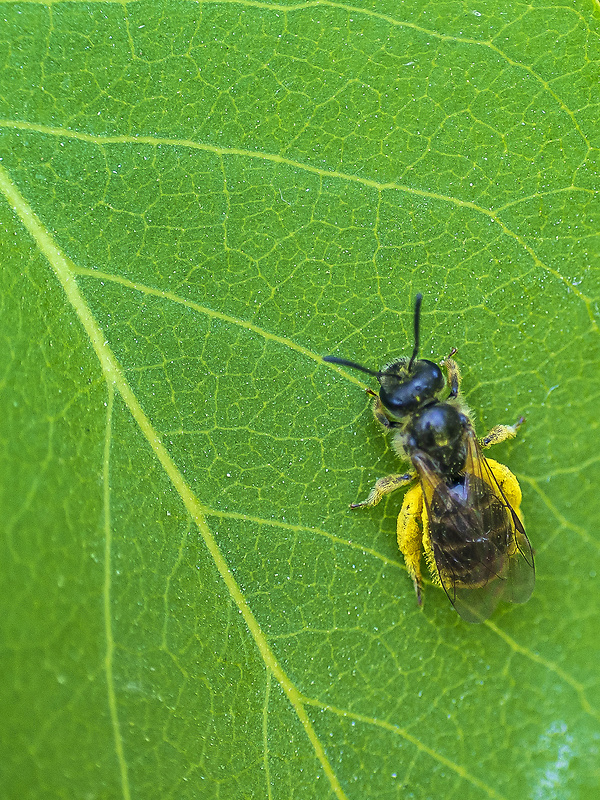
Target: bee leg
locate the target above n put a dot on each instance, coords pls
(379, 411)
(508, 484)
(453, 374)
(410, 536)
(500, 433)
(384, 486)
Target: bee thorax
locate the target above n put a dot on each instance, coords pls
(439, 430)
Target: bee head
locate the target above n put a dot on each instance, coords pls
(406, 384)
(404, 390)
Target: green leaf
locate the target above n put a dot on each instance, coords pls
(199, 201)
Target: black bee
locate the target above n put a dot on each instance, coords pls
(464, 512)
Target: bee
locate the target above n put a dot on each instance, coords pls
(464, 512)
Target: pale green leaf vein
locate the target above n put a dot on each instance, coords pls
(209, 312)
(288, 526)
(115, 377)
(399, 731)
(549, 665)
(108, 632)
(563, 521)
(321, 172)
(287, 8)
(265, 726)
(398, 23)
(514, 645)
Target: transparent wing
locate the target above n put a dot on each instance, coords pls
(520, 573)
(479, 544)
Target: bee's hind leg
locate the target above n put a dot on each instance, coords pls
(500, 433)
(410, 536)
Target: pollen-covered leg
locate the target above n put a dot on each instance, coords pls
(410, 535)
(500, 433)
(384, 486)
(508, 483)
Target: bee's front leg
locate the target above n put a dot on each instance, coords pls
(384, 486)
(453, 371)
(379, 410)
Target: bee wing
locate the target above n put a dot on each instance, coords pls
(479, 544)
(520, 571)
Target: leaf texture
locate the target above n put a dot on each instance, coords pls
(199, 201)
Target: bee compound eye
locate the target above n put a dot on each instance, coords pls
(429, 376)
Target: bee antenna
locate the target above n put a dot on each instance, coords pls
(418, 301)
(343, 363)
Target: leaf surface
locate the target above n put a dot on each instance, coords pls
(200, 201)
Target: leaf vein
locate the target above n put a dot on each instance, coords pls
(115, 378)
